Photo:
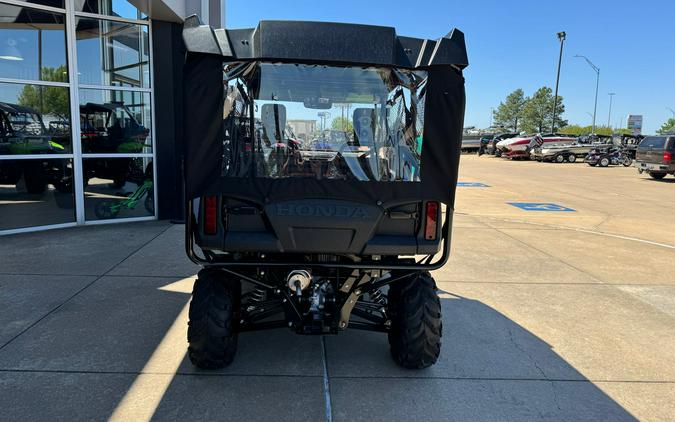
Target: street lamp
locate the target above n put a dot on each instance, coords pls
(597, 83)
(561, 37)
(324, 116)
(492, 112)
(609, 116)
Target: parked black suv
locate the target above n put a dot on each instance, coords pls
(655, 156)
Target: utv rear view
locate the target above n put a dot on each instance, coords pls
(320, 169)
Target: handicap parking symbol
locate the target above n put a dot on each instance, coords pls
(538, 206)
(472, 185)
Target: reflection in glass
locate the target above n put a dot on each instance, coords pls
(119, 8)
(32, 44)
(36, 192)
(118, 188)
(112, 53)
(34, 119)
(52, 3)
(115, 121)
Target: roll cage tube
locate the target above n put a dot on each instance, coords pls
(422, 265)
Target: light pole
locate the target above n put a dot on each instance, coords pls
(609, 116)
(492, 112)
(561, 37)
(324, 116)
(597, 83)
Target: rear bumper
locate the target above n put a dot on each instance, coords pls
(666, 168)
(389, 257)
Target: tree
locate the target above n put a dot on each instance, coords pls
(667, 127)
(47, 100)
(538, 111)
(510, 111)
(343, 124)
(600, 130)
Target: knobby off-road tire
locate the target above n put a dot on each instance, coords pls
(416, 326)
(214, 313)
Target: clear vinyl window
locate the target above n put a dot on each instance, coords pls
(323, 122)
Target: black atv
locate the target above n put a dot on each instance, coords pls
(311, 232)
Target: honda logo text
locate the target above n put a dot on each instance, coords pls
(309, 210)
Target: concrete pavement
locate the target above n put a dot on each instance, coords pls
(546, 316)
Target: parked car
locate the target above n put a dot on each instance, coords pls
(609, 155)
(655, 156)
(483, 144)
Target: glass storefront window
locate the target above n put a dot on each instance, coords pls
(34, 119)
(52, 3)
(36, 192)
(118, 188)
(112, 53)
(114, 121)
(32, 44)
(117, 8)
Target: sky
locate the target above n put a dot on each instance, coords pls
(513, 44)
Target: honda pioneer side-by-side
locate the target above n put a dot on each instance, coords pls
(321, 162)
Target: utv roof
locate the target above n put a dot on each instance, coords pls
(15, 108)
(94, 107)
(325, 42)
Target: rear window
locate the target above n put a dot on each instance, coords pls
(653, 142)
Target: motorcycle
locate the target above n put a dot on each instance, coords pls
(597, 157)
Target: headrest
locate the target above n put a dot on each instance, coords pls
(273, 118)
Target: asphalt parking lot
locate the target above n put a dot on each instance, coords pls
(563, 313)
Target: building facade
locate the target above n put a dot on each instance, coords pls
(90, 118)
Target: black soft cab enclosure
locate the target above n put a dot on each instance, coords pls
(320, 157)
(340, 146)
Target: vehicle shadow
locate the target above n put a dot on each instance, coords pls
(490, 368)
(667, 180)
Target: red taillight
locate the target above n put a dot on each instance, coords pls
(210, 215)
(430, 228)
(667, 157)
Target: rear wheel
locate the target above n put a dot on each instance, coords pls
(657, 176)
(214, 312)
(559, 158)
(106, 209)
(572, 158)
(416, 326)
(604, 162)
(627, 161)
